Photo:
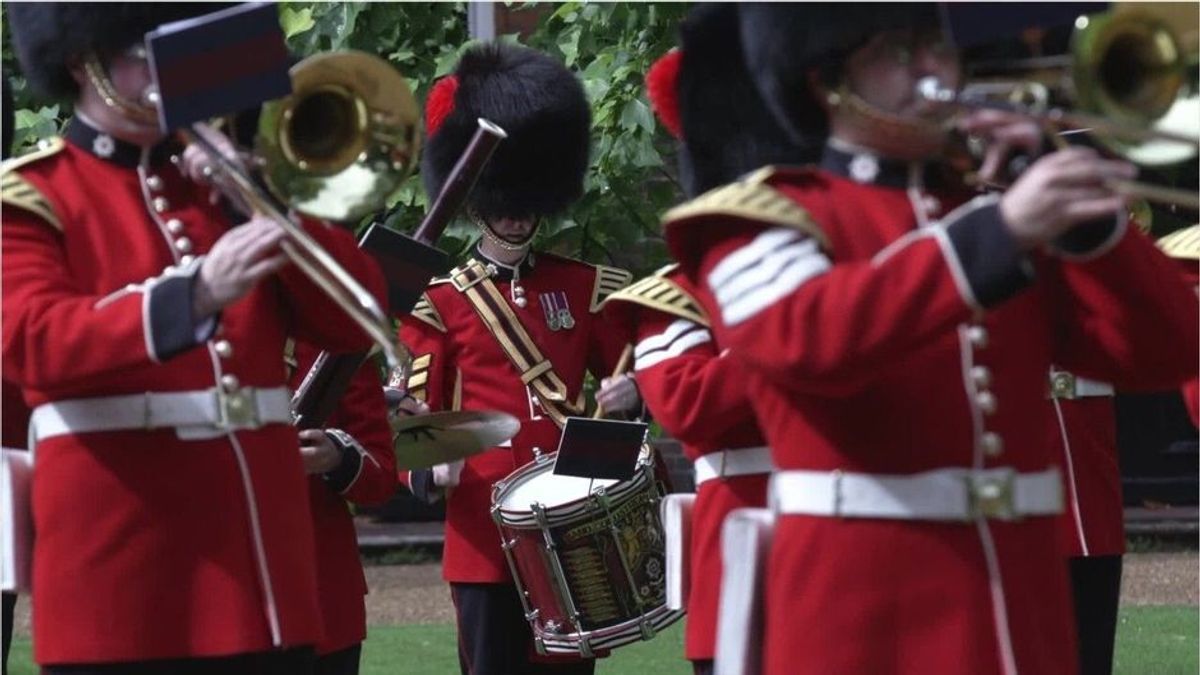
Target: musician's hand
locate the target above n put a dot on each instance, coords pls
(619, 394)
(241, 258)
(318, 452)
(402, 404)
(1062, 190)
(1003, 132)
(196, 162)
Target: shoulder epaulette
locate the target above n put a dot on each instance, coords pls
(425, 311)
(661, 294)
(750, 198)
(19, 192)
(1183, 244)
(608, 281)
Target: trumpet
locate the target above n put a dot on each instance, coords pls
(1129, 78)
(334, 149)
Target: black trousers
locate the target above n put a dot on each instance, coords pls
(299, 661)
(10, 604)
(343, 662)
(495, 639)
(702, 667)
(1096, 585)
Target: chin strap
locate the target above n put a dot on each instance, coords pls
(926, 137)
(501, 242)
(97, 75)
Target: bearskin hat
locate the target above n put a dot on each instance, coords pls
(783, 42)
(49, 36)
(726, 128)
(538, 169)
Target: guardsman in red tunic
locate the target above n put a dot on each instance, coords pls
(146, 332)
(511, 330)
(350, 461)
(695, 390)
(15, 415)
(690, 383)
(897, 335)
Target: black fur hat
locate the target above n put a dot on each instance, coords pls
(784, 41)
(48, 36)
(727, 129)
(538, 170)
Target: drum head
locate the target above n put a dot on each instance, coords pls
(549, 490)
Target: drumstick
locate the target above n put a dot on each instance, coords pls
(622, 366)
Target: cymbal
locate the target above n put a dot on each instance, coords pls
(421, 441)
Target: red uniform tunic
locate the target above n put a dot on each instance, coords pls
(151, 546)
(1085, 433)
(697, 393)
(366, 477)
(878, 346)
(459, 365)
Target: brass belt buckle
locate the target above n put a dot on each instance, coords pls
(1062, 385)
(237, 409)
(993, 494)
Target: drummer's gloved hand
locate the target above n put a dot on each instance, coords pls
(619, 394)
(402, 403)
(447, 475)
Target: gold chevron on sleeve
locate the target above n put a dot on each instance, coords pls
(752, 199)
(663, 295)
(418, 377)
(608, 281)
(18, 192)
(1183, 244)
(425, 311)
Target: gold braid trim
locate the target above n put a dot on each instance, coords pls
(19, 192)
(750, 199)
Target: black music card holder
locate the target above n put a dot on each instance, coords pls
(407, 264)
(218, 64)
(599, 448)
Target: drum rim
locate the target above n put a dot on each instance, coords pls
(566, 512)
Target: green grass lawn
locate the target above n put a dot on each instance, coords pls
(1160, 640)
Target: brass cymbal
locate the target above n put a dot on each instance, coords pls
(421, 441)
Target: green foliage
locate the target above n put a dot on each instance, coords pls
(35, 118)
(632, 178)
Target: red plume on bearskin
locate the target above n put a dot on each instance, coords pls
(662, 88)
(440, 103)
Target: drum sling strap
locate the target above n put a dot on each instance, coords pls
(473, 281)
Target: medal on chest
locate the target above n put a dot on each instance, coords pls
(556, 310)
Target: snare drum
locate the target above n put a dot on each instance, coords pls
(588, 556)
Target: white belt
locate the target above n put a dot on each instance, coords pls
(206, 413)
(1068, 385)
(738, 462)
(956, 494)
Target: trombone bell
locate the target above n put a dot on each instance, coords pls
(344, 140)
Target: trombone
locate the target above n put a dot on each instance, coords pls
(1131, 82)
(334, 149)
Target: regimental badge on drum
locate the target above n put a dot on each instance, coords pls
(557, 311)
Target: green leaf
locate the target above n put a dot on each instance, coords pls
(636, 115)
(295, 21)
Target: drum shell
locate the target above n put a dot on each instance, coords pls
(583, 565)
